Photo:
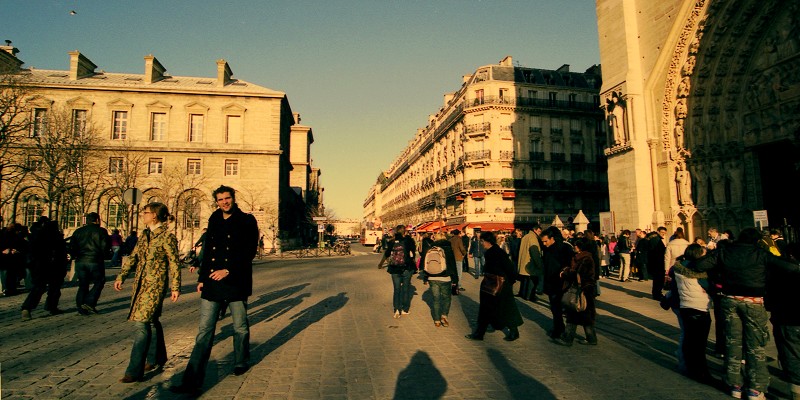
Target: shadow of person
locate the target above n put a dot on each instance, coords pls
(470, 309)
(300, 321)
(545, 321)
(277, 294)
(267, 313)
(427, 297)
(520, 386)
(420, 379)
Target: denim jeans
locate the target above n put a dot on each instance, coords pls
(89, 274)
(115, 256)
(696, 325)
(209, 313)
(787, 340)
(679, 353)
(441, 292)
(145, 350)
(402, 291)
(459, 267)
(478, 262)
(746, 326)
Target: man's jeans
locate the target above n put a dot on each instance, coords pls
(787, 340)
(746, 322)
(144, 348)
(624, 266)
(402, 291)
(459, 267)
(478, 262)
(209, 312)
(89, 274)
(441, 292)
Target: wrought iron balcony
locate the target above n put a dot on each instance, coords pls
(478, 128)
(478, 155)
(506, 154)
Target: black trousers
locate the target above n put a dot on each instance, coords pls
(696, 325)
(558, 316)
(44, 282)
(658, 280)
(93, 274)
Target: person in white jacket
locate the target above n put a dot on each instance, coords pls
(675, 248)
(695, 304)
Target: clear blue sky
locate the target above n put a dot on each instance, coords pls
(363, 74)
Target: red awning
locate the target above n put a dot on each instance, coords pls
(478, 195)
(460, 227)
(509, 195)
(434, 226)
(421, 227)
(460, 197)
(492, 226)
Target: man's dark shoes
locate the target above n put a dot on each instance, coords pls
(55, 311)
(83, 312)
(185, 389)
(89, 309)
(150, 367)
(473, 337)
(128, 379)
(511, 337)
(240, 370)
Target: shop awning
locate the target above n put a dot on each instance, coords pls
(460, 227)
(434, 226)
(421, 227)
(478, 195)
(509, 195)
(492, 226)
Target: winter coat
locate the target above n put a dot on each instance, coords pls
(90, 244)
(450, 260)
(655, 253)
(530, 255)
(675, 249)
(500, 310)
(155, 259)
(230, 244)
(582, 265)
(744, 267)
(459, 250)
(692, 287)
(554, 259)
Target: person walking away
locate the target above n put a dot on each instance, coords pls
(782, 302)
(514, 240)
(623, 250)
(48, 261)
(641, 251)
(695, 304)
(225, 278)
(556, 256)
(440, 271)
(593, 247)
(581, 271)
(400, 253)
(674, 249)
(130, 243)
(655, 260)
(530, 265)
(460, 253)
(12, 258)
(476, 251)
(465, 242)
(156, 263)
(605, 256)
(88, 247)
(116, 245)
(499, 310)
(425, 244)
(744, 267)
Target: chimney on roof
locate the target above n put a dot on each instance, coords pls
(8, 58)
(466, 78)
(296, 118)
(448, 97)
(563, 68)
(153, 70)
(80, 66)
(223, 73)
(507, 61)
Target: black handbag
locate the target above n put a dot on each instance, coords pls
(492, 284)
(455, 290)
(574, 299)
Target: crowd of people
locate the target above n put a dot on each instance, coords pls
(744, 283)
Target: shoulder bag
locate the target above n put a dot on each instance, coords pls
(573, 299)
(492, 284)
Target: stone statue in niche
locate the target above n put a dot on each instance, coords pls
(717, 183)
(615, 109)
(684, 181)
(679, 134)
(734, 169)
(684, 87)
(701, 189)
(680, 109)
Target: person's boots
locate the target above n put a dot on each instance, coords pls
(568, 336)
(591, 335)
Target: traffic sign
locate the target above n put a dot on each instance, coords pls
(320, 228)
(760, 218)
(132, 196)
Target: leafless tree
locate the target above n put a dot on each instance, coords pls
(14, 127)
(127, 165)
(183, 194)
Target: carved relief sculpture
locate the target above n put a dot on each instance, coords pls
(698, 172)
(684, 181)
(717, 183)
(735, 178)
(684, 87)
(680, 109)
(679, 134)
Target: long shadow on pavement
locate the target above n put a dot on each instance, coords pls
(520, 386)
(420, 379)
(545, 321)
(617, 285)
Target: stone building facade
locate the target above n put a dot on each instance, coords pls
(512, 146)
(702, 100)
(175, 138)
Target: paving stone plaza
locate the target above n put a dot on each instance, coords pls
(323, 329)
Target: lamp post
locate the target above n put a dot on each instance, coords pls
(441, 206)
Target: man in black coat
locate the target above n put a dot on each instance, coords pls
(88, 246)
(225, 279)
(48, 261)
(556, 256)
(655, 260)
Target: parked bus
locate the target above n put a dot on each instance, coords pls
(371, 237)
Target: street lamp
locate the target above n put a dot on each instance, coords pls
(441, 206)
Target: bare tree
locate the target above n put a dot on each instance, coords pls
(14, 127)
(127, 165)
(182, 193)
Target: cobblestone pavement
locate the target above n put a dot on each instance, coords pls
(322, 329)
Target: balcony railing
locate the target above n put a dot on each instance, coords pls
(537, 156)
(534, 102)
(478, 155)
(506, 154)
(536, 129)
(557, 157)
(479, 128)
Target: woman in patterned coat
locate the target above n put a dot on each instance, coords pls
(155, 253)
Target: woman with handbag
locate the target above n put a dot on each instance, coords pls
(580, 274)
(497, 304)
(155, 259)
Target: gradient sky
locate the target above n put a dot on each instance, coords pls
(363, 74)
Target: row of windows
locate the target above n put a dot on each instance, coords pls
(158, 125)
(155, 166)
(503, 93)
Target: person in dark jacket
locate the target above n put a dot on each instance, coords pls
(556, 255)
(581, 271)
(623, 251)
(88, 246)
(425, 244)
(130, 243)
(743, 268)
(48, 261)
(225, 278)
(655, 260)
(401, 273)
(498, 310)
(442, 283)
(13, 251)
(782, 302)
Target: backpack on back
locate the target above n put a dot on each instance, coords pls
(435, 262)
(397, 258)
